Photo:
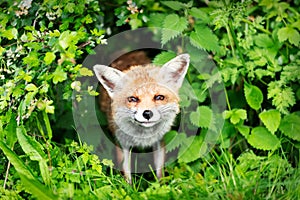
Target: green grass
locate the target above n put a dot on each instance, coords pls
(218, 176)
(78, 174)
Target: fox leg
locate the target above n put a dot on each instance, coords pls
(159, 158)
(123, 156)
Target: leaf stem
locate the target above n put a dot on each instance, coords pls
(6, 175)
(230, 40)
(261, 29)
(227, 99)
(236, 41)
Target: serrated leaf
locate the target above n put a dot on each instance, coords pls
(254, 96)
(203, 117)
(200, 93)
(244, 130)
(191, 149)
(194, 118)
(49, 58)
(173, 140)
(261, 138)
(282, 97)
(59, 75)
(271, 119)
(290, 126)
(237, 115)
(206, 117)
(290, 34)
(173, 25)
(204, 38)
(227, 114)
(163, 58)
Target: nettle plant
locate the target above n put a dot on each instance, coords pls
(255, 45)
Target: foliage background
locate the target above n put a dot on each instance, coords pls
(255, 45)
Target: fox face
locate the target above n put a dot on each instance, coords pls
(145, 102)
(150, 104)
(145, 114)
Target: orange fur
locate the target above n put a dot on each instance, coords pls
(141, 103)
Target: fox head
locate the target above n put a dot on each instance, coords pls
(144, 97)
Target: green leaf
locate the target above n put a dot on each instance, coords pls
(156, 19)
(175, 5)
(38, 190)
(235, 115)
(10, 129)
(263, 40)
(290, 34)
(34, 150)
(85, 72)
(173, 140)
(244, 130)
(47, 123)
(76, 85)
(135, 22)
(48, 107)
(92, 92)
(173, 25)
(261, 138)
(30, 146)
(203, 117)
(10, 33)
(290, 126)
(44, 169)
(59, 75)
(254, 96)
(68, 38)
(191, 149)
(31, 87)
(16, 161)
(32, 59)
(271, 119)
(283, 98)
(204, 38)
(163, 58)
(198, 13)
(49, 58)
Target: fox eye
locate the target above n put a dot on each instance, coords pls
(132, 99)
(159, 97)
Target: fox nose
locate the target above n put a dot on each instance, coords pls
(147, 114)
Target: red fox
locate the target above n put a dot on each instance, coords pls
(144, 104)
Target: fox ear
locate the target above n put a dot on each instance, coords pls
(108, 77)
(173, 72)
